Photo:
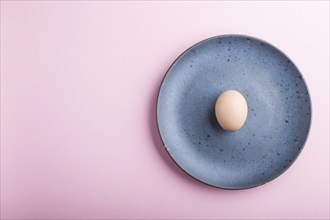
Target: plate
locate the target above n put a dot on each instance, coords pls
(278, 121)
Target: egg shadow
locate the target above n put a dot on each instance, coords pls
(212, 118)
(159, 146)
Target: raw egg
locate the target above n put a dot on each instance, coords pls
(231, 110)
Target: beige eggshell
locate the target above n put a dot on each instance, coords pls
(231, 110)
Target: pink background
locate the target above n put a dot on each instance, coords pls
(78, 91)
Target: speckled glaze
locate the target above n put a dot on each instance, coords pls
(278, 121)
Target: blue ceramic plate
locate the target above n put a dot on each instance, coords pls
(276, 127)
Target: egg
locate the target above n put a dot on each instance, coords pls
(231, 110)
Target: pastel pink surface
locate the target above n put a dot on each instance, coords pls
(79, 82)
